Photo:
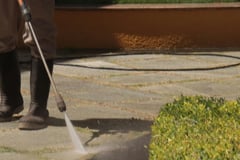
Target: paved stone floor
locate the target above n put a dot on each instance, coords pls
(112, 100)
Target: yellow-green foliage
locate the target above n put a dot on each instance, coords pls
(197, 128)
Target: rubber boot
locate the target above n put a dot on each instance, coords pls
(37, 115)
(10, 86)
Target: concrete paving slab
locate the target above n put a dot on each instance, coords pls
(218, 88)
(112, 106)
(11, 155)
(90, 91)
(170, 61)
(87, 69)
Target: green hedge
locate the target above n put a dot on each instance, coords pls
(96, 2)
(197, 128)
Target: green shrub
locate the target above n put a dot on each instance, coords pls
(197, 128)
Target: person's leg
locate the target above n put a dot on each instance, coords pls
(11, 100)
(42, 20)
(39, 83)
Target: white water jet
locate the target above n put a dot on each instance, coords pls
(74, 137)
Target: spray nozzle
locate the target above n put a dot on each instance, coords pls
(60, 103)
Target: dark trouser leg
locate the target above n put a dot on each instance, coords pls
(40, 86)
(10, 86)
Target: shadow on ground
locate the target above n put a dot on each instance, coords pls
(106, 126)
(134, 149)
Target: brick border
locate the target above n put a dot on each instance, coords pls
(165, 26)
(152, 6)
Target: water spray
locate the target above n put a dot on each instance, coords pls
(58, 98)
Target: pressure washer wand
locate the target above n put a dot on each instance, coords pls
(27, 16)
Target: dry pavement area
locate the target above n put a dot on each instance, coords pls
(112, 100)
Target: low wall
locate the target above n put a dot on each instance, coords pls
(167, 27)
